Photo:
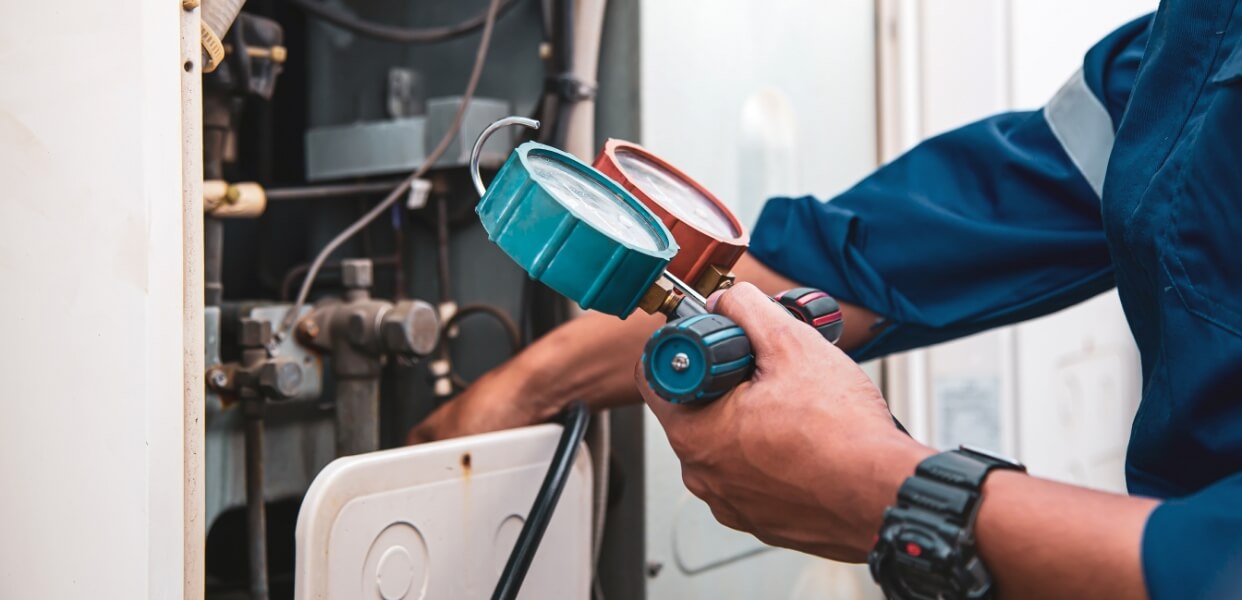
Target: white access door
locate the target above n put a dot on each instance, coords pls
(440, 520)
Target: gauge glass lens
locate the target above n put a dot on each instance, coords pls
(676, 195)
(599, 206)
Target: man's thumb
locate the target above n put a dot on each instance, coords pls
(766, 322)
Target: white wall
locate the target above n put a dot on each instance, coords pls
(756, 99)
(91, 350)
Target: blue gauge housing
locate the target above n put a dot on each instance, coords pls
(567, 243)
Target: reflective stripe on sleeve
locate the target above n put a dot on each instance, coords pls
(1081, 123)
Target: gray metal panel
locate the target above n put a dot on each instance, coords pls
(364, 149)
(482, 112)
(348, 80)
(299, 440)
(401, 145)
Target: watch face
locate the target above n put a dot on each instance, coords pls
(917, 559)
(922, 559)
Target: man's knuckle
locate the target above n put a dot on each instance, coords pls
(695, 484)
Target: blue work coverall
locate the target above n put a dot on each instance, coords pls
(1130, 177)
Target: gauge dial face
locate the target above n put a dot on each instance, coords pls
(595, 204)
(677, 196)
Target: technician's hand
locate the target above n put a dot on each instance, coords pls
(805, 454)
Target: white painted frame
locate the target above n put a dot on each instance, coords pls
(101, 344)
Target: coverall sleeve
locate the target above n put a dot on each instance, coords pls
(1192, 547)
(982, 226)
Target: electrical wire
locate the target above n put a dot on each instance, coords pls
(391, 33)
(397, 193)
(575, 421)
(286, 282)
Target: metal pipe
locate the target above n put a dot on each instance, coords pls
(217, 122)
(253, 408)
(338, 190)
(256, 510)
(357, 415)
(213, 261)
(588, 28)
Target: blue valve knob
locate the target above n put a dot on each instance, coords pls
(700, 358)
(697, 359)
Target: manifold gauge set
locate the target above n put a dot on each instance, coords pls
(633, 232)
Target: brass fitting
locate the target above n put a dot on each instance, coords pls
(659, 298)
(714, 278)
(276, 54)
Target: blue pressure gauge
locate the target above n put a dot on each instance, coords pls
(572, 228)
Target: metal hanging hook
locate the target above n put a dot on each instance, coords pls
(478, 146)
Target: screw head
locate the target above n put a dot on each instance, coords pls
(218, 379)
(356, 273)
(680, 362)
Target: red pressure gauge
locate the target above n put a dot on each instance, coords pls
(708, 233)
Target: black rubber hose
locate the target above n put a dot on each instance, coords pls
(390, 33)
(575, 420)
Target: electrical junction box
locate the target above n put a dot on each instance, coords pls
(439, 520)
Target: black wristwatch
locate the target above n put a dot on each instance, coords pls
(926, 547)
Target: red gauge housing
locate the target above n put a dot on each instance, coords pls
(706, 230)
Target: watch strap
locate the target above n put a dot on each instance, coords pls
(950, 483)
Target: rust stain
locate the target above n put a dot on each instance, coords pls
(466, 465)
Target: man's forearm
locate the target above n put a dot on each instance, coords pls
(1043, 539)
(591, 358)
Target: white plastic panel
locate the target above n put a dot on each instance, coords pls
(753, 100)
(439, 521)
